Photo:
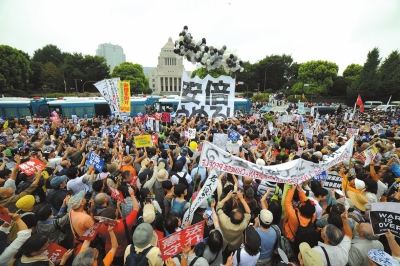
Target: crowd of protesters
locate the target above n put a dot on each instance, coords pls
(246, 219)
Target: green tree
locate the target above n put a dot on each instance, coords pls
(339, 87)
(352, 71)
(248, 77)
(49, 53)
(202, 72)
(275, 71)
(318, 74)
(367, 83)
(14, 70)
(388, 72)
(52, 78)
(134, 73)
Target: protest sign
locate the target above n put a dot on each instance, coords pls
(333, 181)
(220, 140)
(31, 130)
(192, 133)
(96, 161)
(138, 120)
(29, 167)
(294, 172)
(205, 192)
(154, 139)
(270, 126)
(308, 133)
(256, 116)
(287, 118)
(376, 127)
(360, 156)
(150, 123)
(124, 91)
(54, 252)
(306, 125)
(352, 131)
(232, 147)
(28, 118)
(166, 117)
(301, 109)
(106, 221)
(385, 216)
(320, 177)
(4, 215)
(91, 233)
(109, 90)
(172, 244)
(116, 194)
(211, 97)
(280, 120)
(96, 141)
(143, 141)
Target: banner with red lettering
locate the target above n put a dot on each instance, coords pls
(91, 233)
(293, 172)
(54, 252)
(166, 117)
(172, 244)
(116, 194)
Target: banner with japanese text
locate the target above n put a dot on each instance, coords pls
(29, 167)
(124, 90)
(96, 161)
(143, 141)
(109, 90)
(172, 244)
(293, 172)
(211, 97)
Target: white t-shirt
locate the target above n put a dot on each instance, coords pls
(245, 258)
(338, 255)
(77, 185)
(318, 208)
(175, 179)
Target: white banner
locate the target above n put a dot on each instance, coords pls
(205, 192)
(293, 172)
(211, 97)
(192, 133)
(150, 123)
(108, 89)
(301, 109)
(220, 140)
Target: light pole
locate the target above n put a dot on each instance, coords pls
(265, 76)
(241, 83)
(65, 84)
(83, 85)
(76, 86)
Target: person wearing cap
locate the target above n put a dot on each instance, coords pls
(128, 165)
(76, 183)
(335, 247)
(355, 185)
(7, 251)
(183, 157)
(119, 229)
(57, 194)
(142, 243)
(361, 244)
(378, 257)
(251, 251)
(80, 221)
(8, 200)
(308, 256)
(199, 216)
(25, 210)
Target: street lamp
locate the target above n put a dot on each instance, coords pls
(241, 83)
(265, 76)
(65, 84)
(83, 85)
(76, 86)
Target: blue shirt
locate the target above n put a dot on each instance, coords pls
(202, 173)
(268, 239)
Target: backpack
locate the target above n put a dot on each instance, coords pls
(137, 259)
(177, 208)
(158, 191)
(182, 180)
(283, 243)
(306, 233)
(14, 228)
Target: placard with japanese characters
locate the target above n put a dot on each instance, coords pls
(211, 97)
(54, 252)
(29, 167)
(96, 161)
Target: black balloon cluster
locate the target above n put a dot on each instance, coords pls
(207, 56)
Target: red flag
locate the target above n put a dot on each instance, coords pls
(359, 101)
(362, 108)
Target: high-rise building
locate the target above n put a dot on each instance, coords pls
(166, 78)
(114, 54)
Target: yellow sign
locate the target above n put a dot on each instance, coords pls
(143, 141)
(124, 90)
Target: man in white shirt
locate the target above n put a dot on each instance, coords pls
(75, 183)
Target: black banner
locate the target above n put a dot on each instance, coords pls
(333, 181)
(384, 216)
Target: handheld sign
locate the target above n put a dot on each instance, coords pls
(385, 216)
(96, 161)
(91, 233)
(29, 167)
(4, 215)
(333, 181)
(143, 141)
(54, 252)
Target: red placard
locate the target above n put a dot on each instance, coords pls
(157, 116)
(154, 139)
(116, 194)
(29, 167)
(54, 252)
(172, 244)
(138, 119)
(166, 117)
(91, 233)
(4, 215)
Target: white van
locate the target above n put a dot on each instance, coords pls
(397, 103)
(372, 104)
(385, 108)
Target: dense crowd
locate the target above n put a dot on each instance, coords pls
(246, 220)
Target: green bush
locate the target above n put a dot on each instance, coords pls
(296, 99)
(262, 97)
(247, 94)
(59, 94)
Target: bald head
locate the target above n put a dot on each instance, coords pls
(100, 199)
(365, 231)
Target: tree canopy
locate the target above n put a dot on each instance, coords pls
(202, 72)
(133, 73)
